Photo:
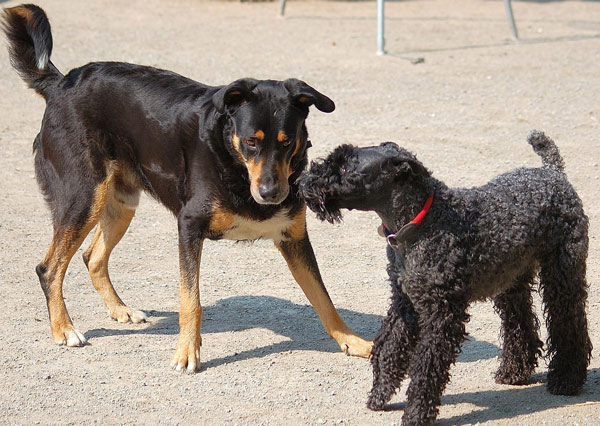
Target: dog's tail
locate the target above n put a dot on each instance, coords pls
(30, 45)
(547, 149)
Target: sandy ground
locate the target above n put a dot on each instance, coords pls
(465, 111)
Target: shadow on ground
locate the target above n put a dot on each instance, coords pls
(505, 43)
(299, 323)
(514, 400)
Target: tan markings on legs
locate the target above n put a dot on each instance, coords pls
(187, 354)
(65, 243)
(110, 230)
(308, 277)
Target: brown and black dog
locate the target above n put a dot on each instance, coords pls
(224, 160)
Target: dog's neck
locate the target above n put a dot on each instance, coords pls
(405, 202)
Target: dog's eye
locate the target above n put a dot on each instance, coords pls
(286, 142)
(251, 142)
(344, 169)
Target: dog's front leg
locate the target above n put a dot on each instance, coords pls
(442, 319)
(187, 354)
(300, 258)
(392, 349)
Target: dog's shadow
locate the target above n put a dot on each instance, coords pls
(301, 326)
(514, 401)
(299, 323)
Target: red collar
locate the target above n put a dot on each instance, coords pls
(394, 238)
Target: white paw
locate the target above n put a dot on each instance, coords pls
(138, 316)
(126, 314)
(75, 338)
(187, 361)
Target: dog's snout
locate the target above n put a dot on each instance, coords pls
(268, 184)
(269, 191)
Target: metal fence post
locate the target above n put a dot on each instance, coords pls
(380, 27)
(511, 19)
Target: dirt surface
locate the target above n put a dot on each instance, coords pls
(465, 111)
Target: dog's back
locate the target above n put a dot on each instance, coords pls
(104, 94)
(519, 218)
(109, 118)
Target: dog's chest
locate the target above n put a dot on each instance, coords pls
(231, 226)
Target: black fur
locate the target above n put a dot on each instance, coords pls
(484, 242)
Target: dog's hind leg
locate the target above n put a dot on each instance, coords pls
(392, 349)
(76, 219)
(564, 292)
(300, 258)
(110, 230)
(521, 343)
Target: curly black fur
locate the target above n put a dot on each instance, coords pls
(474, 244)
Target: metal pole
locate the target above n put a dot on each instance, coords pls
(281, 7)
(511, 19)
(380, 28)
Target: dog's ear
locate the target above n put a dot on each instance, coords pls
(302, 94)
(403, 166)
(401, 163)
(409, 165)
(234, 93)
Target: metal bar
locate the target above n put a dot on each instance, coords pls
(281, 7)
(380, 28)
(511, 19)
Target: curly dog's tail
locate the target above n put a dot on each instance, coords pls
(547, 149)
(30, 45)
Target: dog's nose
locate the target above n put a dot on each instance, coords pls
(268, 192)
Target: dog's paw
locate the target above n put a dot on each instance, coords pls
(508, 377)
(375, 402)
(561, 388)
(187, 355)
(356, 346)
(564, 384)
(126, 314)
(68, 336)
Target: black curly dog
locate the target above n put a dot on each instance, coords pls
(465, 245)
